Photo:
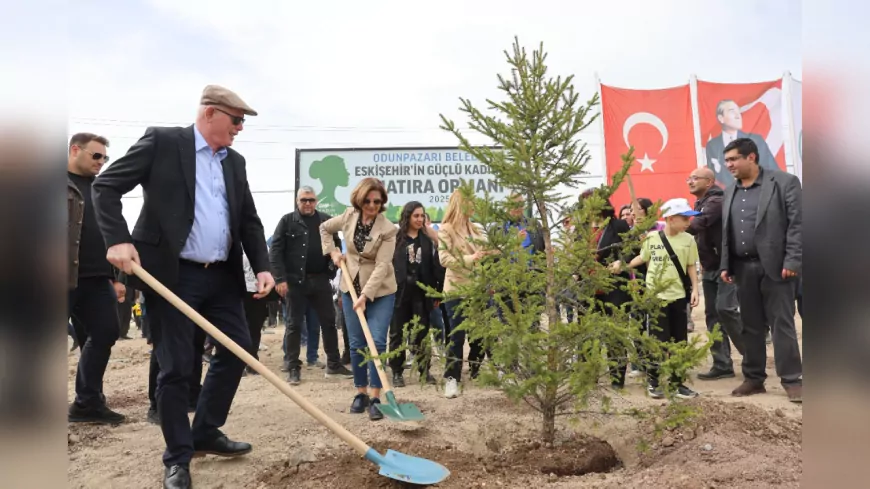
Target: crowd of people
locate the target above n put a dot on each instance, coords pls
(199, 234)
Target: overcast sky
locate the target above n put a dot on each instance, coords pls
(357, 74)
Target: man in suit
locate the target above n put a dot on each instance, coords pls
(197, 216)
(762, 253)
(731, 120)
(302, 274)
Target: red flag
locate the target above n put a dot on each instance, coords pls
(658, 123)
(730, 110)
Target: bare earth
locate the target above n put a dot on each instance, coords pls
(481, 437)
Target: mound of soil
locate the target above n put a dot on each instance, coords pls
(524, 463)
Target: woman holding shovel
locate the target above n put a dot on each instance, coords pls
(371, 244)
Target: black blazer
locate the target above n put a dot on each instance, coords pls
(163, 161)
(431, 271)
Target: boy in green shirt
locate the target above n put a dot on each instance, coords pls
(682, 288)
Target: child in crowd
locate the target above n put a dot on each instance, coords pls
(670, 255)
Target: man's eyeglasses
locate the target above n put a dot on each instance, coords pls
(95, 156)
(235, 119)
(308, 201)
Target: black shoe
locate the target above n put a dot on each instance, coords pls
(340, 372)
(360, 403)
(294, 377)
(474, 372)
(153, 416)
(684, 392)
(375, 414)
(716, 374)
(345, 358)
(177, 477)
(100, 414)
(222, 447)
(285, 367)
(398, 379)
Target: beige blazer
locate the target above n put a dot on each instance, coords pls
(456, 274)
(375, 264)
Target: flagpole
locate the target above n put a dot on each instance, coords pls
(792, 135)
(601, 126)
(696, 121)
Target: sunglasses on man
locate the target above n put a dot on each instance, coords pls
(94, 156)
(235, 119)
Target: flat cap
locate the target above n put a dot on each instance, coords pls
(218, 95)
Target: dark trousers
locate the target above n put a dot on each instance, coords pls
(214, 293)
(195, 384)
(95, 319)
(673, 326)
(413, 304)
(721, 307)
(765, 301)
(125, 313)
(316, 292)
(456, 344)
(256, 311)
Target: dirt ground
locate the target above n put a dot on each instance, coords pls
(483, 439)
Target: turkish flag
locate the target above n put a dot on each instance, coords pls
(741, 110)
(658, 123)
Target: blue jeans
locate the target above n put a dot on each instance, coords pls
(378, 314)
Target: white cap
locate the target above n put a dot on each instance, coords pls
(678, 207)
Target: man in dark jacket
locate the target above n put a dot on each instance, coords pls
(94, 290)
(720, 298)
(302, 274)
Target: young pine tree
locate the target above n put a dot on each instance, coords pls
(514, 300)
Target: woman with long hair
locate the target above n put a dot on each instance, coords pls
(457, 252)
(371, 244)
(415, 261)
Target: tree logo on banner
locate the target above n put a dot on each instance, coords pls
(646, 163)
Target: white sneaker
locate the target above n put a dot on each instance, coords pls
(451, 389)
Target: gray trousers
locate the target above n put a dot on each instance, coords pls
(763, 302)
(721, 307)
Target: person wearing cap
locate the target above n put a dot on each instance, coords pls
(677, 286)
(197, 216)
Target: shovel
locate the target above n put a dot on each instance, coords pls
(392, 409)
(395, 465)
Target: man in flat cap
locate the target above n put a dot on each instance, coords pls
(197, 217)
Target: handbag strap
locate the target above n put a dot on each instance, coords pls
(687, 284)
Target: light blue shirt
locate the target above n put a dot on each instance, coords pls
(209, 239)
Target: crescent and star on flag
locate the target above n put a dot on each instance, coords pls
(646, 163)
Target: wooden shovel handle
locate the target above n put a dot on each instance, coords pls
(365, 327)
(357, 444)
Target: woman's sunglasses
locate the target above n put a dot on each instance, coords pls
(375, 202)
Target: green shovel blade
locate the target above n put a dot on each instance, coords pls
(399, 412)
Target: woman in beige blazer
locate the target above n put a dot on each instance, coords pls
(371, 241)
(458, 253)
